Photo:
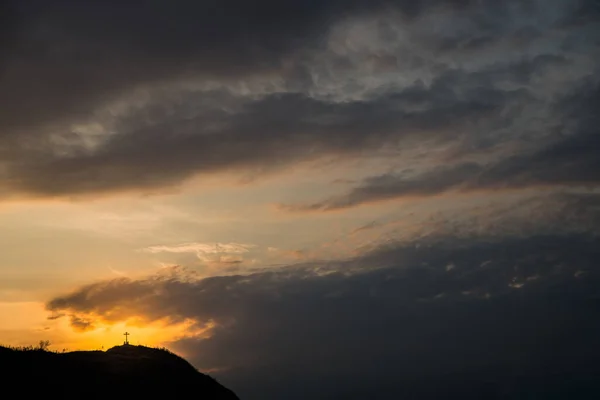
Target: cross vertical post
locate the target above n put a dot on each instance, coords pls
(126, 337)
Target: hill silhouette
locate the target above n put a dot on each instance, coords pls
(122, 372)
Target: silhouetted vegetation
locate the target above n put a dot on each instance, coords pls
(120, 372)
(43, 345)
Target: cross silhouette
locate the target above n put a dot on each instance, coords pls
(126, 337)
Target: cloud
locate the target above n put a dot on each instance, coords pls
(62, 61)
(504, 288)
(266, 133)
(357, 325)
(205, 248)
(81, 324)
(172, 91)
(222, 256)
(573, 159)
(480, 297)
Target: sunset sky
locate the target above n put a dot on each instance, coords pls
(316, 189)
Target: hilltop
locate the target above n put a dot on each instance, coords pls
(122, 372)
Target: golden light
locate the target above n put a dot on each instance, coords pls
(29, 324)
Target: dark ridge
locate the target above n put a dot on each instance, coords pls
(122, 372)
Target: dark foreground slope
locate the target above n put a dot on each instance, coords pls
(119, 373)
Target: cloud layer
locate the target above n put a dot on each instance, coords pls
(171, 91)
(495, 302)
(358, 325)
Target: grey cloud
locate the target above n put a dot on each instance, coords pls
(66, 57)
(567, 213)
(62, 66)
(357, 326)
(572, 159)
(232, 133)
(81, 324)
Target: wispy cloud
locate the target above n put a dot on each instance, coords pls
(213, 255)
(203, 248)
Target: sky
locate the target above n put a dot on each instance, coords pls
(304, 198)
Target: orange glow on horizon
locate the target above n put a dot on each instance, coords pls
(31, 325)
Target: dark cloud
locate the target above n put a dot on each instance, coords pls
(125, 71)
(391, 321)
(567, 213)
(571, 160)
(262, 134)
(66, 57)
(81, 324)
